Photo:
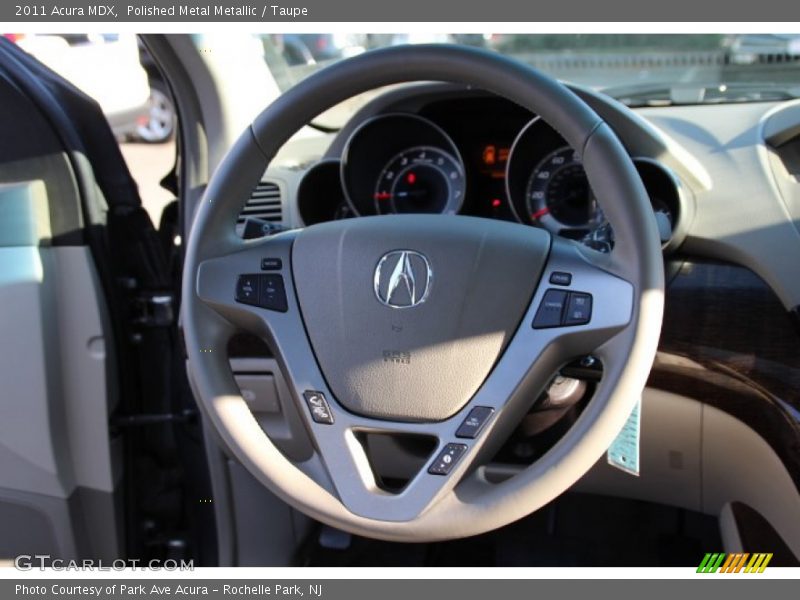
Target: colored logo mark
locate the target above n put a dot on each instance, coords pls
(735, 562)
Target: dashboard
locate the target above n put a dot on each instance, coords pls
(477, 155)
(724, 177)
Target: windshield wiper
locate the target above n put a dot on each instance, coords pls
(666, 94)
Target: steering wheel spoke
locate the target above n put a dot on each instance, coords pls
(342, 446)
(580, 302)
(248, 284)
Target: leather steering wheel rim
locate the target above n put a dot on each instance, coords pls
(470, 505)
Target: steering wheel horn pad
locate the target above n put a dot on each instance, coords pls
(413, 361)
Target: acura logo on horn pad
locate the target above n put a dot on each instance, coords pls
(403, 278)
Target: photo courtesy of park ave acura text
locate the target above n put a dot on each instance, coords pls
(487, 300)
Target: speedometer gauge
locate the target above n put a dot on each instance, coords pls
(558, 195)
(423, 179)
(547, 187)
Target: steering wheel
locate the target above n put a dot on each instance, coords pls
(446, 327)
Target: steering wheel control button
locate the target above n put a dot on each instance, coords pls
(447, 459)
(318, 407)
(551, 309)
(273, 294)
(474, 422)
(247, 289)
(560, 278)
(271, 264)
(579, 309)
(265, 290)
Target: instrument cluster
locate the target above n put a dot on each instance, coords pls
(518, 168)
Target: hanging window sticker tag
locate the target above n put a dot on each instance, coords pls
(624, 450)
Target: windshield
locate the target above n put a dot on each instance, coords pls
(638, 69)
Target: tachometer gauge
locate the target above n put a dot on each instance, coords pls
(558, 195)
(423, 179)
(402, 163)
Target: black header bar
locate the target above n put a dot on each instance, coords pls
(437, 11)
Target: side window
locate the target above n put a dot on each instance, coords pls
(118, 72)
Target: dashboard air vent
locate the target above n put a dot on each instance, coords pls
(264, 204)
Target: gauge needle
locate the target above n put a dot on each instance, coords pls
(540, 213)
(382, 196)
